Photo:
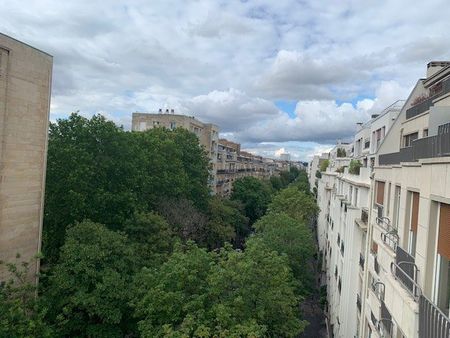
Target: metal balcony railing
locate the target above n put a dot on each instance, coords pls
(433, 323)
(426, 147)
(390, 238)
(406, 272)
(378, 289)
(428, 102)
(385, 324)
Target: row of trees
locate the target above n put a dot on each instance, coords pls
(135, 245)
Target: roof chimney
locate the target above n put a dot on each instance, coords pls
(434, 66)
(167, 111)
(172, 111)
(160, 110)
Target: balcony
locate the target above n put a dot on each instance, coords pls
(406, 272)
(426, 147)
(390, 239)
(378, 289)
(385, 325)
(433, 323)
(363, 220)
(428, 102)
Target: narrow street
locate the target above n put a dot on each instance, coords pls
(310, 308)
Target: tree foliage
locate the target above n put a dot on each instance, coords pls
(228, 294)
(324, 165)
(293, 238)
(136, 246)
(20, 312)
(254, 194)
(98, 171)
(88, 290)
(295, 203)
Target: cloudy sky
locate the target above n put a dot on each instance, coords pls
(284, 75)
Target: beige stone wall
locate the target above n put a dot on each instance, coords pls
(25, 85)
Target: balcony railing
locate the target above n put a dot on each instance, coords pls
(406, 272)
(427, 103)
(426, 147)
(385, 324)
(433, 323)
(390, 238)
(378, 289)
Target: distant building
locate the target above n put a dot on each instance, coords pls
(207, 133)
(285, 157)
(228, 162)
(25, 82)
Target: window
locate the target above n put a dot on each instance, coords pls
(442, 277)
(173, 125)
(408, 139)
(388, 207)
(355, 202)
(379, 193)
(396, 205)
(413, 224)
(425, 132)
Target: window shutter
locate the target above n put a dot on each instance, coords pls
(415, 212)
(380, 193)
(444, 231)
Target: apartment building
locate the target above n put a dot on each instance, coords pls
(228, 162)
(313, 167)
(233, 163)
(343, 195)
(25, 85)
(408, 282)
(207, 133)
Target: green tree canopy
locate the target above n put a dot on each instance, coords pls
(254, 194)
(151, 237)
(20, 312)
(288, 236)
(98, 171)
(295, 203)
(231, 294)
(227, 223)
(88, 290)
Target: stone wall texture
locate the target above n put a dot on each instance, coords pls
(25, 86)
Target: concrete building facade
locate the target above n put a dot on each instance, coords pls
(384, 230)
(25, 86)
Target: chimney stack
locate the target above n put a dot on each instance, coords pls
(434, 66)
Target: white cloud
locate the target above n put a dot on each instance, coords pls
(227, 62)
